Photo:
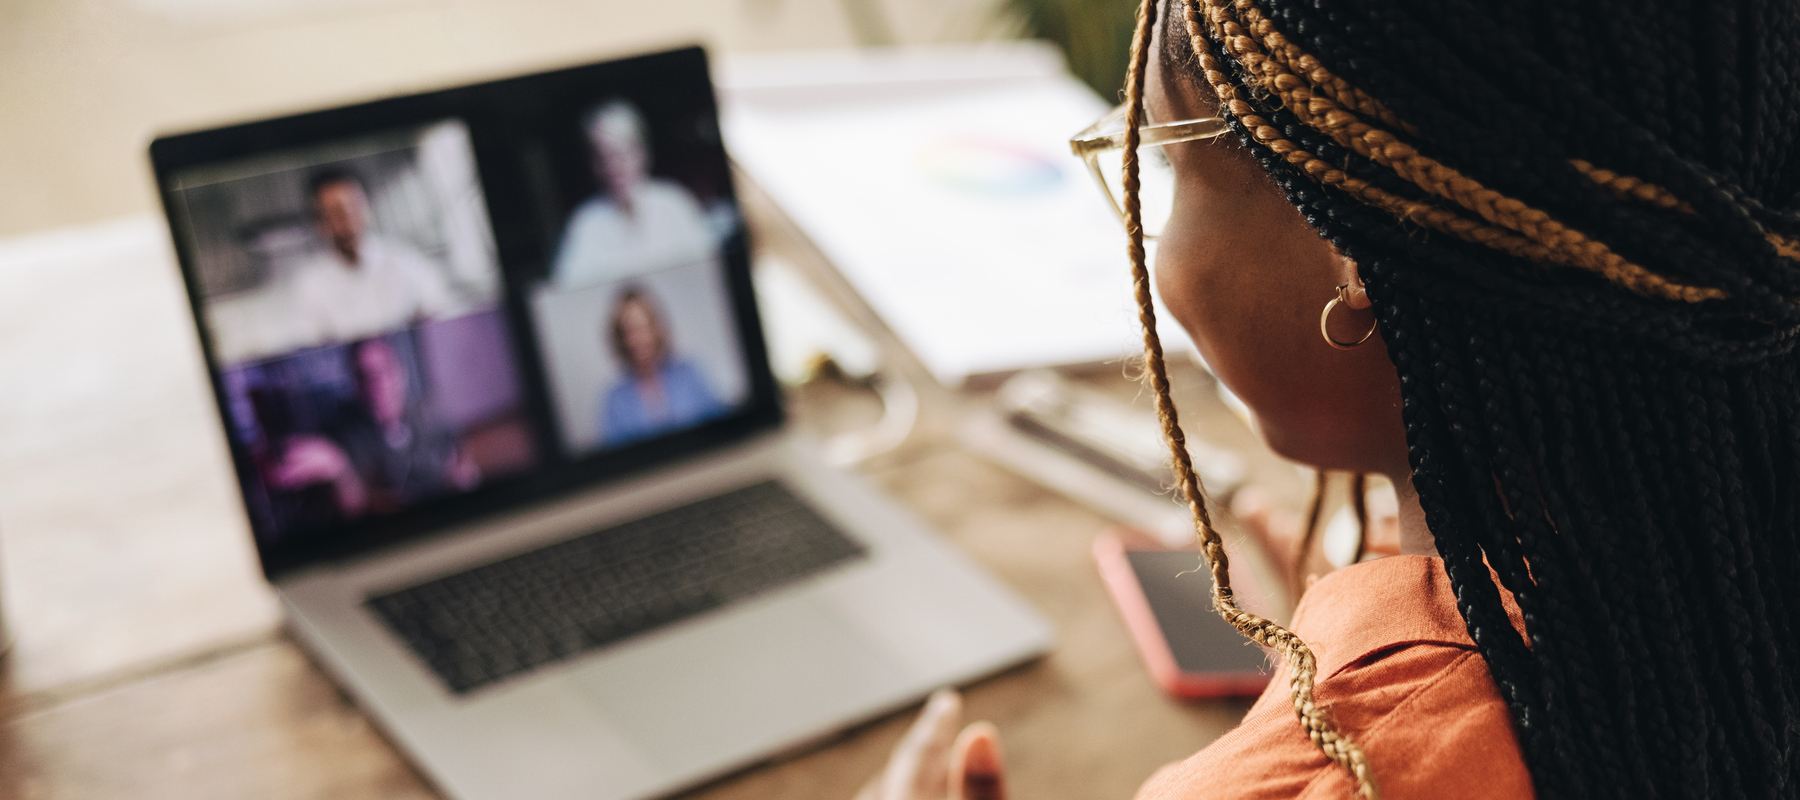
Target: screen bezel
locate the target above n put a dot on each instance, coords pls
(483, 107)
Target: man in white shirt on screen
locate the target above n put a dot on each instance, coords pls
(638, 223)
(362, 283)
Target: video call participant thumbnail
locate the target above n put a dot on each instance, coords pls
(339, 241)
(658, 390)
(362, 282)
(636, 223)
(633, 360)
(380, 425)
(384, 453)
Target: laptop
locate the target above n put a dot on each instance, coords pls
(491, 372)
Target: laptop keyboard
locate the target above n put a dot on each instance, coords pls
(507, 617)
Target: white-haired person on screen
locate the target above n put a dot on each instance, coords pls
(637, 223)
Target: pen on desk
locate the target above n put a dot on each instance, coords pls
(1110, 435)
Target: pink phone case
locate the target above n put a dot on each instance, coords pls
(1128, 596)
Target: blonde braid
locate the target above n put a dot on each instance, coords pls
(1429, 215)
(1559, 243)
(1359, 503)
(1630, 188)
(1303, 63)
(1309, 535)
(1300, 661)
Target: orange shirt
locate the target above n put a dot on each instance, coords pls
(1399, 675)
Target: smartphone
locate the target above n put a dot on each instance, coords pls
(1165, 598)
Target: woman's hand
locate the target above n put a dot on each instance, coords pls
(935, 762)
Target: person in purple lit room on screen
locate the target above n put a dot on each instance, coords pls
(387, 454)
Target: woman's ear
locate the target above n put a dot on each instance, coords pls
(1358, 295)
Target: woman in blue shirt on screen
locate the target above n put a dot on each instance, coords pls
(659, 391)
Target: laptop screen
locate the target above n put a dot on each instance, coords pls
(431, 307)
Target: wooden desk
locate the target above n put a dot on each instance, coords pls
(150, 660)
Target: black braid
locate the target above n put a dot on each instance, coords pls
(1681, 688)
(1626, 467)
(1510, 90)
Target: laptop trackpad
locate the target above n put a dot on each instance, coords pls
(731, 686)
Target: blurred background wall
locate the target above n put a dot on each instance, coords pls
(85, 84)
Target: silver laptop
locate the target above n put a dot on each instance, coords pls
(491, 371)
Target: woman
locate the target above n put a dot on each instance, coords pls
(1544, 274)
(659, 391)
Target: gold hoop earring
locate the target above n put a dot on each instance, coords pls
(1342, 298)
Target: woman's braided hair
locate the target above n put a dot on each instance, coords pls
(1577, 223)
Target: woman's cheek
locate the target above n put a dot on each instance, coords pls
(1201, 277)
(1177, 270)
(1179, 278)
(1239, 290)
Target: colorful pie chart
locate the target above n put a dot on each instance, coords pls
(988, 167)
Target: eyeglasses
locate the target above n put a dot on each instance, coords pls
(1102, 146)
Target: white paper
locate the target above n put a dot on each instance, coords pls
(949, 200)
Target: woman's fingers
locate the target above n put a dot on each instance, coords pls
(934, 762)
(919, 767)
(976, 770)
